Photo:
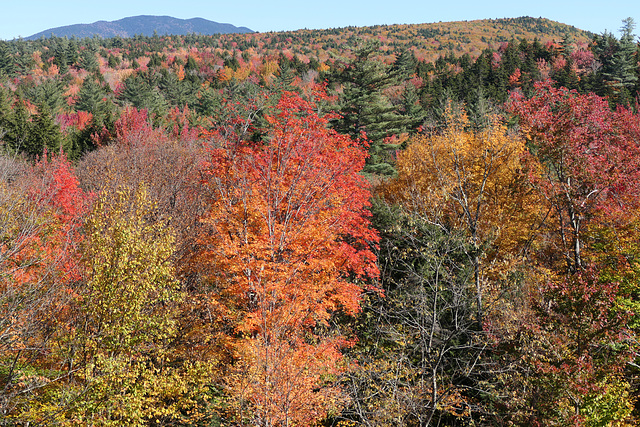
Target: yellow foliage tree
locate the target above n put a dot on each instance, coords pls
(469, 180)
(125, 372)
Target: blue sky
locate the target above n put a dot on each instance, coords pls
(26, 17)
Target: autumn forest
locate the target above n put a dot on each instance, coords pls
(408, 225)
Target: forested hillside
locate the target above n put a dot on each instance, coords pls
(405, 225)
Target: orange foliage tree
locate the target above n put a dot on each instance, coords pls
(287, 243)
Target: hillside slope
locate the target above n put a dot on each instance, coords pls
(428, 41)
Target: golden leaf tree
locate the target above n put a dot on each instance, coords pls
(469, 180)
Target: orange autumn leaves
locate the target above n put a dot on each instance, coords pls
(287, 242)
(284, 246)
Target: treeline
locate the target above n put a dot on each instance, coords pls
(81, 85)
(198, 235)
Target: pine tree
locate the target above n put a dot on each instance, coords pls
(88, 60)
(90, 96)
(177, 92)
(44, 133)
(412, 108)
(623, 66)
(7, 63)
(6, 99)
(60, 55)
(154, 61)
(566, 46)
(567, 76)
(405, 64)
(113, 61)
(140, 94)
(365, 108)
(18, 126)
(191, 64)
(50, 91)
(285, 78)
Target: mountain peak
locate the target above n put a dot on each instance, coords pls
(145, 25)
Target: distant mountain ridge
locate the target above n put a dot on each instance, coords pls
(145, 25)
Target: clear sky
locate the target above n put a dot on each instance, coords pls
(22, 18)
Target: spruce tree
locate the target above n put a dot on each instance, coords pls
(6, 99)
(141, 94)
(88, 60)
(50, 91)
(177, 92)
(154, 61)
(285, 78)
(209, 101)
(412, 108)
(60, 55)
(405, 65)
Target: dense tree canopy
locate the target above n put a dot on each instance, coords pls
(391, 225)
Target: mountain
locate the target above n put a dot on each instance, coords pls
(142, 25)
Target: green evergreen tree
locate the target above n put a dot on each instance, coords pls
(73, 53)
(284, 79)
(113, 61)
(23, 55)
(365, 109)
(60, 54)
(83, 141)
(139, 93)
(154, 61)
(622, 69)
(191, 64)
(191, 70)
(482, 111)
(209, 102)
(44, 133)
(412, 108)
(49, 91)
(566, 46)
(18, 126)
(88, 60)
(6, 100)
(405, 65)
(176, 92)
(567, 76)
(7, 61)
(90, 97)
